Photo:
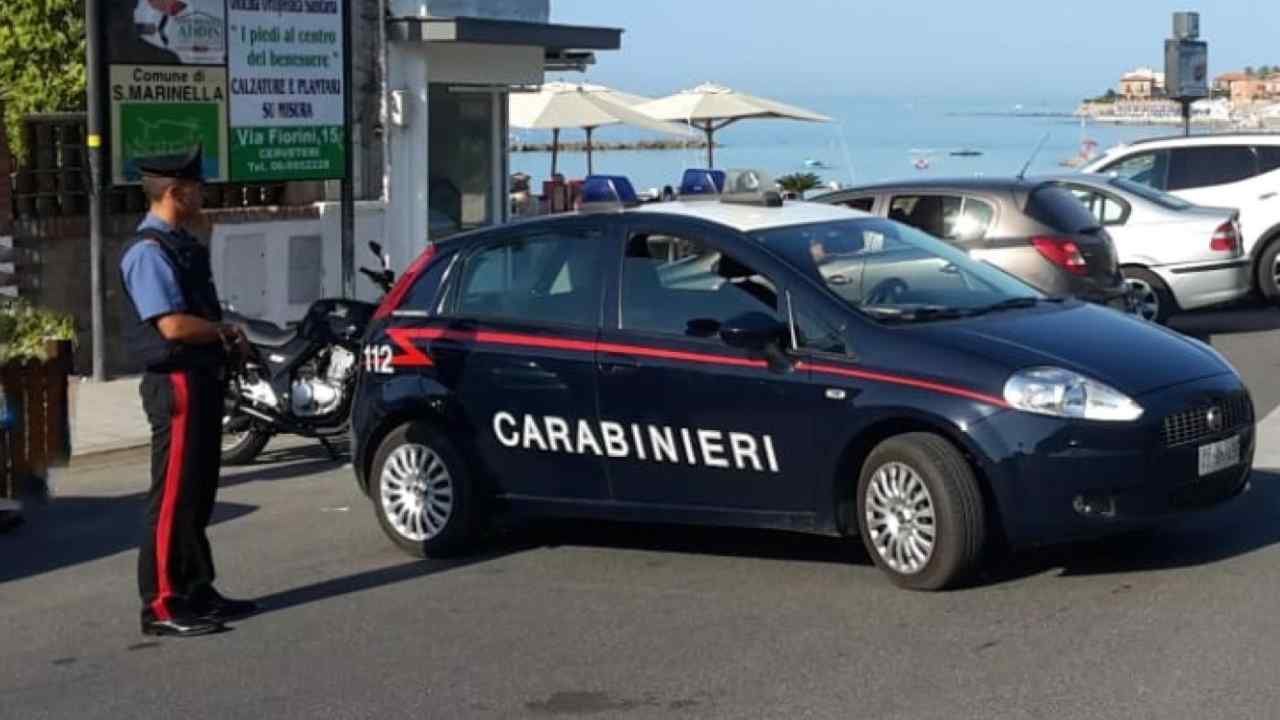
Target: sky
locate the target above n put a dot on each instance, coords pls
(1023, 51)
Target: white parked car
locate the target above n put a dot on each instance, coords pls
(1222, 170)
(1174, 255)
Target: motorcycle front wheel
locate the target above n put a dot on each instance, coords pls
(241, 441)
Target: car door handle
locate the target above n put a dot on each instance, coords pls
(619, 364)
(524, 377)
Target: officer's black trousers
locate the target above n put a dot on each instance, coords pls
(185, 411)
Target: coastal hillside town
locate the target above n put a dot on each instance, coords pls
(1244, 99)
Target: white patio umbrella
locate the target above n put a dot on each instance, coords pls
(560, 105)
(712, 107)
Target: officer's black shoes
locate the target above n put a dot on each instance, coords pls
(184, 626)
(211, 605)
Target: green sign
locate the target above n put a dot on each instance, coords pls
(163, 110)
(275, 153)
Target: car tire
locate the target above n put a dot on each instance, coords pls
(422, 492)
(1153, 301)
(1269, 271)
(913, 486)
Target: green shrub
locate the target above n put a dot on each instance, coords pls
(24, 330)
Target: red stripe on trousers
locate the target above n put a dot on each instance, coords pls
(172, 485)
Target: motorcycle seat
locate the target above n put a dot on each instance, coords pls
(267, 334)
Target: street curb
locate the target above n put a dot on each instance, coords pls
(103, 454)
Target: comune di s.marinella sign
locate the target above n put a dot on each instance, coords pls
(260, 84)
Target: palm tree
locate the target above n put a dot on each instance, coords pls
(799, 183)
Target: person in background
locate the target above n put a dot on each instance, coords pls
(177, 333)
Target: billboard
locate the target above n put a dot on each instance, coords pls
(287, 89)
(259, 83)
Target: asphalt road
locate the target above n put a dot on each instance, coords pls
(587, 620)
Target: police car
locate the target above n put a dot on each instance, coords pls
(742, 361)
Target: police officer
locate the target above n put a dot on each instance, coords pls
(176, 331)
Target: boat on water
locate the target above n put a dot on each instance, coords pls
(814, 163)
(966, 152)
(921, 163)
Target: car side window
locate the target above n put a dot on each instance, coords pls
(1268, 158)
(1106, 209)
(861, 203)
(682, 287)
(549, 277)
(975, 220)
(1197, 167)
(1148, 168)
(934, 214)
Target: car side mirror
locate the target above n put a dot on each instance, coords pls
(752, 331)
(762, 333)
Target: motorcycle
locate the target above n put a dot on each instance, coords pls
(298, 380)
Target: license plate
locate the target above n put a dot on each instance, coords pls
(1219, 456)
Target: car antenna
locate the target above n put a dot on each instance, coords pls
(1022, 173)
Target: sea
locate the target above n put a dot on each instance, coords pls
(870, 141)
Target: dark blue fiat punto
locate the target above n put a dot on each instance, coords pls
(743, 361)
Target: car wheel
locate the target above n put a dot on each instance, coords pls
(920, 512)
(421, 492)
(1152, 300)
(1269, 271)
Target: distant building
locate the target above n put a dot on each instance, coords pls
(1142, 83)
(1223, 82)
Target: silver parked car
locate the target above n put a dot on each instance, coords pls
(1174, 255)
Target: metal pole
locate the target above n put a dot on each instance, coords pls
(590, 165)
(1186, 117)
(348, 210)
(98, 183)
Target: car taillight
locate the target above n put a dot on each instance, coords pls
(393, 299)
(1225, 238)
(1062, 252)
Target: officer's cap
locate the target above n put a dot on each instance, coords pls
(187, 166)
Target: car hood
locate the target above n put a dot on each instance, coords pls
(1131, 355)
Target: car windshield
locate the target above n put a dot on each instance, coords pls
(1147, 192)
(896, 273)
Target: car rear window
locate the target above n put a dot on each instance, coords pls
(1056, 207)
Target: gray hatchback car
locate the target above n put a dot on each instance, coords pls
(1037, 231)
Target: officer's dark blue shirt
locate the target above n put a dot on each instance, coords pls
(149, 276)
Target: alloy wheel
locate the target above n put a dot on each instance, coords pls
(417, 492)
(1146, 302)
(900, 518)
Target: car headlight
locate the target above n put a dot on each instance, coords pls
(1062, 393)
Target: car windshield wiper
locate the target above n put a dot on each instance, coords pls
(915, 313)
(1016, 303)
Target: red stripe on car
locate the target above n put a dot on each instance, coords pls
(415, 357)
